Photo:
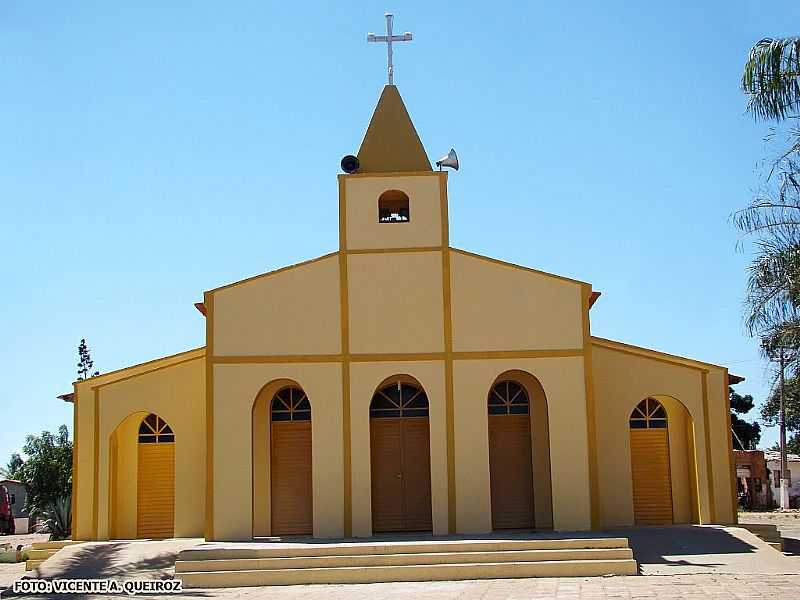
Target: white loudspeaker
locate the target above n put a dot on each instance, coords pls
(449, 160)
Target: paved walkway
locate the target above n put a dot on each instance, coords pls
(676, 563)
(694, 587)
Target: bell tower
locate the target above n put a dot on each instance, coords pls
(395, 200)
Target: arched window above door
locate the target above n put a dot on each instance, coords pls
(648, 414)
(290, 404)
(399, 399)
(155, 430)
(508, 398)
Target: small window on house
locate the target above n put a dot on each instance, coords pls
(13, 498)
(393, 207)
(777, 477)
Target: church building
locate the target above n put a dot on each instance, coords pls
(399, 384)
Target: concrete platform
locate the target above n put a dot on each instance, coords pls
(399, 558)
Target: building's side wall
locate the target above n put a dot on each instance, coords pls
(83, 463)
(794, 470)
(395, 302)
(721, 440)
(236, 387)
(173, 389)
(424, 229)
(503, 307)
(699, 452)
(563, 382)
(176, 394)
(293, 311)
(19, 495)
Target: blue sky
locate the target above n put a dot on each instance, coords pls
(151, 150)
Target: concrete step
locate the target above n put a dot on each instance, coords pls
(31, 564)
(53, 545)
(767, 532)
(436, 572)
(387, 560)
(777, 545)
(41, 551)
(245, 551)
(40, 554)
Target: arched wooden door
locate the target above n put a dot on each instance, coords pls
(650, 468)
(401, 459)
(290, 463)
(510, 456)
(155, 488)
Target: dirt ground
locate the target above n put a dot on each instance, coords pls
(25, 539)
(775, 517)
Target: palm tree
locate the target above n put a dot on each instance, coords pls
(772, 78)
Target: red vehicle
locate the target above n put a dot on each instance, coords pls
(6, 516)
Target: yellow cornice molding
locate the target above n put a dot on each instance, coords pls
(504, 263)
(397, 357)
(274, 272)
(149, 366)
(440, 174)
(396, 250)
(150, 371)
(655, 354)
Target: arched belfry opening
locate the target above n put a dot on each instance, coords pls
(393, 207)
(155, 489)
(400, 457)
(290, 462)
(519, 453)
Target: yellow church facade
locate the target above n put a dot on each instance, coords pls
(400, 384)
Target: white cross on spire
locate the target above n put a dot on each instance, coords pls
(389, 38)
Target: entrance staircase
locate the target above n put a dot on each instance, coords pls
(215, 565)
(41, 551)
(767, 532)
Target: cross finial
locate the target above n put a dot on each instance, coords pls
(389, 38)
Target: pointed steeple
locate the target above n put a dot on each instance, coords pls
(391, 143)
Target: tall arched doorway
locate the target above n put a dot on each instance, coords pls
(510, 456)
(290, 463)
(650, 464)
(401, 457)
(155, 489)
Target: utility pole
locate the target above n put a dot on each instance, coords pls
(769, 348)
(782, 424)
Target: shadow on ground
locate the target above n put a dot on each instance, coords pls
(685, 549)
(112, 560)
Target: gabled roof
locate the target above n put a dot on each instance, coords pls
(391, 143)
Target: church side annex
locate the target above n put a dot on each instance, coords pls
(329, 401)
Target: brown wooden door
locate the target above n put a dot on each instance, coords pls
(155, 491)
(290, 478)
(511, 471)
(401, 474)
(652, 484)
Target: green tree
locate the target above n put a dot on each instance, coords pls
(47, 469)
(747, 435)
(85, 362)
(770, 411)
(14, 467)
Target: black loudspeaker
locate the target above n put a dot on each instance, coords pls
(350, 164)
